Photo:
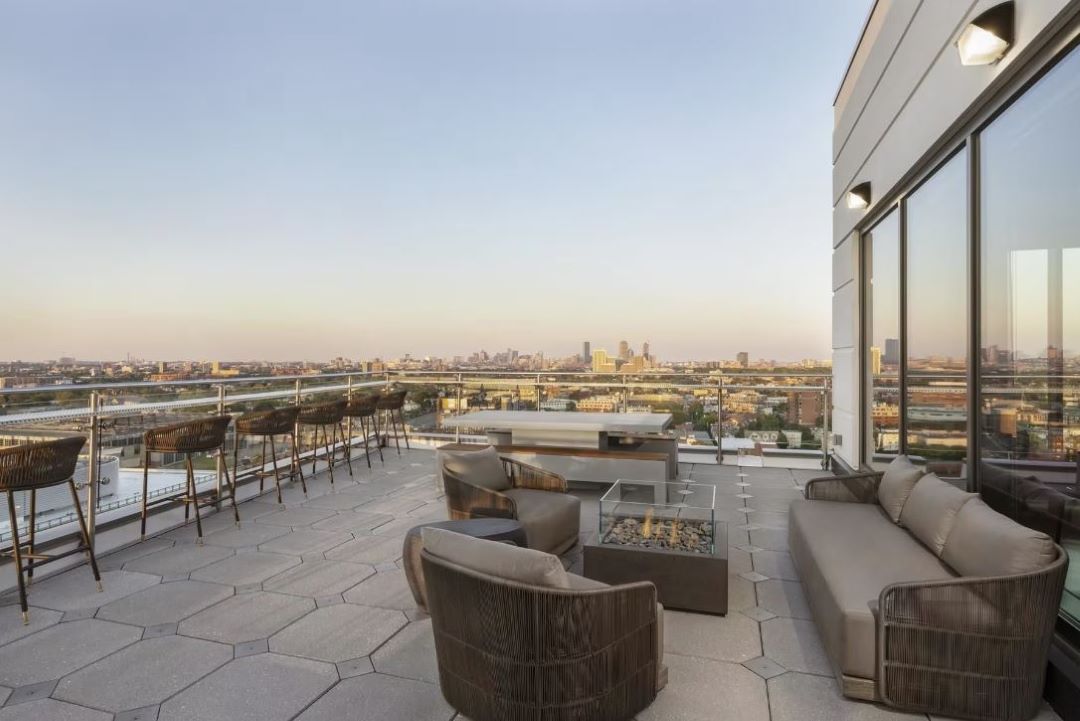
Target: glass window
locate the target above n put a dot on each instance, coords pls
(882, 316)
(936, 290)
(1029, 400)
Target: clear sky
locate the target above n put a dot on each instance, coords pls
(242, 179)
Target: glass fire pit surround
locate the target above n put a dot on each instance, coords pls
(659, 515)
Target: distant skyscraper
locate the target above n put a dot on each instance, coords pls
(645, 351)
(743, 359)
(892, 352)
(624, 349)
(875, 360)
(586, 352)
(601, 363)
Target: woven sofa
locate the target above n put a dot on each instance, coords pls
(481, 484)
(926, 598)
(538, 642)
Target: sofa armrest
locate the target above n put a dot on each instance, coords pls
(522, 475)
(853, 488)
(467, 500)
(970, 646)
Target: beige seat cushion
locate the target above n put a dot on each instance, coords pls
(551, 520)
(846, 553)
(931, 510)
(492, 558)
(896, 484)
(481, 468)
(984, 542)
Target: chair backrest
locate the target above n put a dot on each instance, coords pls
(276, 422)
(35, 465)
(202, 434)
(574, 653)
(322, 414)
(392, 401)
(362, 406)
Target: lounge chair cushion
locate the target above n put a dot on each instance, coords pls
(846, 553)
(551, 520)
(501, 560)
(983, 542)
(481, 468)
(896, 484)
(931, 510)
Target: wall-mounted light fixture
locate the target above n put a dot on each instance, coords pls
(987, 38)
(858, 198)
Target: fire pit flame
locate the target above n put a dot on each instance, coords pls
(646, 529)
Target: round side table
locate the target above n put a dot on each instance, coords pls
(505, 530)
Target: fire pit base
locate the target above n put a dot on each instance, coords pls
(684, 580)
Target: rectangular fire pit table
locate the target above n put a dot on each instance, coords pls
(666, 533)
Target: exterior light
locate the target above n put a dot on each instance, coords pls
(988, 37)
(858, 198)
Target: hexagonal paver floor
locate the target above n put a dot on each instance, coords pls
(286, 618)
(153, 670)
(246, 617)
(338, 633)
(267, 687)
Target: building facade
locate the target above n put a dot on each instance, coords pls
(956, 264)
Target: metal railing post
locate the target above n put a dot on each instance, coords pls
(348, 420)
(719, 421)
(221, 451)
(92, 479)
(825, 413)
(457, 409)
(536, 391)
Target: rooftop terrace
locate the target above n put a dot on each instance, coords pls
(304, 613)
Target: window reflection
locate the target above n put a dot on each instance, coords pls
(936, 372)
(882, 298)
(1029, 402)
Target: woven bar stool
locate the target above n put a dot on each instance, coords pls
(28, 468)
(199, 436)
(267, 424)
(363, 407)
(322, 415)
(392, 403)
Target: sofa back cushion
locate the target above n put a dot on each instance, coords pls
(481, 468)
(931, 509)
(493, 558)
(983, 542)
(900, 477)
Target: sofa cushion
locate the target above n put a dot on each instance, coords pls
(983, 542)
(550, 519)
(580, 583)
(480, 468)
(492, 558)
(846, 553)
(931, 510)
(896, 484)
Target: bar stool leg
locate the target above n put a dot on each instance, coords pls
(85, 534)
(329, 458)
(262, 463)
(367, 448)
(30, 552)
(193, 500)
(348, 452)
(17, 553)
(404, 433)
(299, 468)
(235, 453)
(232, 494)
(314, 451)
(378, 443)
(277, 478)
(145, 477)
